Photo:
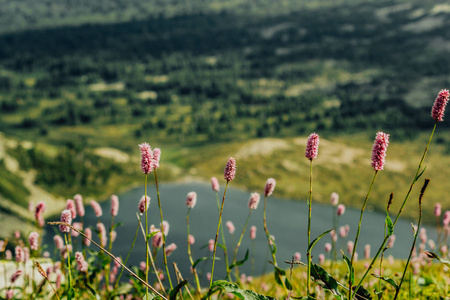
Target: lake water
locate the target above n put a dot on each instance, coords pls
(286, 220)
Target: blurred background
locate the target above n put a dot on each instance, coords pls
(83, 83)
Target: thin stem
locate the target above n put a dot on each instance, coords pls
(163, 235)
(308, 254)
(239, 243)
(128, 254)
(401, 208)
(267, 233)
(197, 281)
(358, 232)
(146, 234)
(225, 251)
(215, 241)
(68, 261)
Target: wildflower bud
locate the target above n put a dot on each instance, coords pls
(113, 236)
(143, 204)
(170, 248)
(215, 184)
(97, 208)
(58, 281)
(333, 235)
(8, 255)
(431, 244)
(142, 266)
(39, 210)
(33, 240)
(165, 227)
(17, 234)
(423, 235)
(444, 249)
(437, 112)
(26, 254)
(269, 187)
(66, 217)
(340, 209)
(356, 257)
(297, 256)
(78, 226)
(146, 158)
(157, 240)
(82, 264)
(379, 150)
(102, 232)
(211, 245)
(437, 210)
(208, 276)
(254, 201)
(191, 239)
(156, 158)
(15, 276)
(327, 247)
(446, 219)
(9, 294)
(230, 169)
(350, 247)
(41, 222)
(367, 251)
(321, 259)
(79, 204)
(70, 205)
(334, 199)
(191, 199)
(391, 241)
(88, 233)
(114, 205)
(342, 232)
(243, 278)
(253, 232)
(312, 146)
(271, 239)
(230, 227)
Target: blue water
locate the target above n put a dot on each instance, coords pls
(286, 220)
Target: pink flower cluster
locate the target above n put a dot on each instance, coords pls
(379, 150)
(97, 208)
(215, 184)
(66, 217)
(312, 146)
(38, 213)
(33, 240)
(254, 201)
(149, 158)
(114, 205)
(191, 199)
(437, 112)
(269, 187)
(79, 204)
(143, 204)
(82, 264)
(230, 169)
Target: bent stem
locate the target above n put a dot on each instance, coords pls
(268, 234)
(194, 271)
(163, 235)
(415, 178)
(357, 233)
(215, 241)
(113, 257)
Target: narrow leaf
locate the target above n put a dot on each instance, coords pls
(240, 262)
(434, 255)
(389, 225)
(314, 242)
(288, 284)
(363, 294)
(93, 292)
(420, 174)
(235, 290)
(202, 259)
(328, 282)
(388, 280)
(351, 271)
(152, 234)
(174, 292)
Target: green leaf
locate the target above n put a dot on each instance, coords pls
(93, 292)
(222, 246)
(363, 294)
(174, 292)
(434, 255)
(70, 293)
(420, 174)
(314, 242)
(116, 225)
(202, 259)
(328, 282)
(351, 271)
(388, 280)
(274, 247)
(389, 225)
(240, 293)
(123, 289)
(149, 296)
(288, 284)
(240, 262)
(152, 234)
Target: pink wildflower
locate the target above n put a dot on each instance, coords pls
(114, 205)
(59, 243)
(40, 208)
(76, 225)
(379, 150)
(2, 245)
(230, 227)
(33, 240)
(170, 248)
(79, 204)
(117, 262)
(340, 209)
(146, 158)
(230, 169)
(82, 264)
(271, 239)
(437, 112)
(208, 276)
(191, 239)
(446, 220)
(157, 240)
(58, 281)
(70, 205)
(156, 158)
(15, 276)
(165, 227)
(191, 199)
(333, 235)
(66, 217)
(18, 251)
(9, 294)
(97, 208)
(269, 187)
(254, 201)
(391, 241)
(327, 247)
(432, 244)
(342, 232)
(8, 255)
(215, 184)
(350, 247)
(312, 146)
(65, 251)
(142, 266)
(334, 199)
(321, 259)
(102, 232)
(17, 234)
(367, 251)
(113, 236)
(253, 232)
(437, 210)
(211, 245)
(297, 256)
(143, 204)
(88, 233)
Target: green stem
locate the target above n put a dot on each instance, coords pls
(308, 254)
(163, 235)
(68, 262)
(215, 241)
(267, 233)
(239, 243)
(225, 251)
(401, 208)
(146, 235)
(358, 232)
(128, 254)
(197, 281)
